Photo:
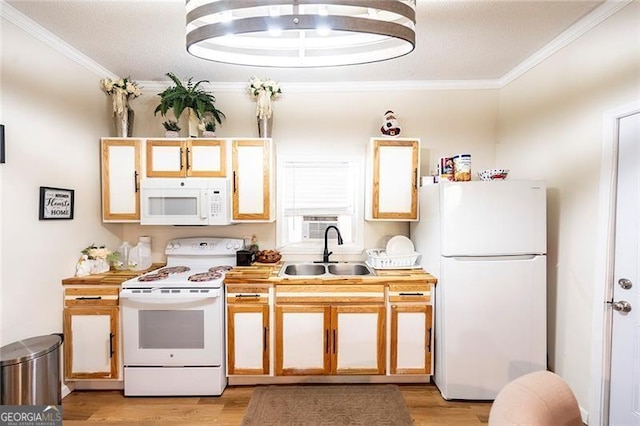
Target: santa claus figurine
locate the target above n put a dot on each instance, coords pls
(390, 126)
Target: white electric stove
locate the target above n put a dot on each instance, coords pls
(173, 321)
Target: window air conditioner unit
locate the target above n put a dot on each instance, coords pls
(313, 227)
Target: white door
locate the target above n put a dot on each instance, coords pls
(493, 218)
(624, 406)
(491, 325)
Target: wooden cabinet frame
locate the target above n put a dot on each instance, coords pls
(186, 157)
(376, 212)
(232, 310)
(241, 175)
(108, 176)
(114, 345)
(331, 327)
(406, 308)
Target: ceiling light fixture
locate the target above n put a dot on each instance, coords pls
(310, 33)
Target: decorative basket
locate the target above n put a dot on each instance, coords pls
(268, 256)
(378, 259)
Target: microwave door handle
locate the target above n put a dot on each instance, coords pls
(204, 205)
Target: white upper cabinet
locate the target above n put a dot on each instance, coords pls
(120, 179)
(186, 158)
(253, 182)
(392, 179)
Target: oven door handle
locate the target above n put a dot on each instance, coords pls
(164, 298)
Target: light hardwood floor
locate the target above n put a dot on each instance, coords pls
(110, 407)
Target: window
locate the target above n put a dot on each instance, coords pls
(314, 194)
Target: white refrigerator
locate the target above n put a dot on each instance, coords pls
(486, 243)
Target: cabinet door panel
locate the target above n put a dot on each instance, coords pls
(207, 158)
(251, 185)
(395, 179)
(91, 343)
(358, 345)
(395, 169)
(120, 180)
(302, 340)
(165, 158)
(411, 339)
(248, 339)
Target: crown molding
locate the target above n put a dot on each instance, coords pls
(597, 16)
(342, 86)
(21, 21)
(582, 26)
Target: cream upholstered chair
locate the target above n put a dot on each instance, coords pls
(538, 399)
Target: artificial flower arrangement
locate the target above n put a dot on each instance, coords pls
(264, 91)
(121, 90)
(94, 260)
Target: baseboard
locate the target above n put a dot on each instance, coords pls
(584, 415)
(66, 390)
(99, 385)
(274, 380)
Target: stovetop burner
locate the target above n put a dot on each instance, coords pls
(191, 263)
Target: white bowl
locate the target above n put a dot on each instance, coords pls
(493, 174)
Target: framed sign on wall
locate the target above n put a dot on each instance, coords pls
(55, 203)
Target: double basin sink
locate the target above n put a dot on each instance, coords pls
(348, 269)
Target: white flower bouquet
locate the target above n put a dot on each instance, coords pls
(121, 90)
(94, 260)
(264, 91)
(96, 252)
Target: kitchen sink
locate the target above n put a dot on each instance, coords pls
(325, 269)
(348, 269)
(304, 269)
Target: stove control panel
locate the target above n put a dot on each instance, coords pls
(205, 246)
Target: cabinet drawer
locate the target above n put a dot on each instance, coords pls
(91, 296)
(410, 293)
(370, 293)
(247, 294)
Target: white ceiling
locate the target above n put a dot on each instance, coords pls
(456, 40)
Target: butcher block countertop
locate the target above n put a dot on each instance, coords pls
(262, 273)
(109, 277)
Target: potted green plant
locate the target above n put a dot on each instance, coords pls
(196, 100)
(208, 127)
(171, 128)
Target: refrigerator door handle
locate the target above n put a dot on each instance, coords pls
(494, 258)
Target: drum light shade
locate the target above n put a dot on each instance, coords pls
(300, 33)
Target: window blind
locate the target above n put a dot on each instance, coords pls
(318, 188)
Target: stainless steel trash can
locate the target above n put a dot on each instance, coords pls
(30, 371)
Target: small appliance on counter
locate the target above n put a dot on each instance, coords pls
(244, 257)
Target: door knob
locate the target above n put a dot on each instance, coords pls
(625, 283)
(621, 306)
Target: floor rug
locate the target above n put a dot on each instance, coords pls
(327, 405)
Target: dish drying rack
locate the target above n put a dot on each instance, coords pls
(379, 259)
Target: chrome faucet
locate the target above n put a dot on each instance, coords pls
(326, 253)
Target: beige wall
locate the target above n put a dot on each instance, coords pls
(338, 123)
(550, 126)
(54, 115)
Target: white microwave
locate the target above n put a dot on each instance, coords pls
(192, 201)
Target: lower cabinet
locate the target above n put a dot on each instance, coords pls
(330, 339)
(329, 329)
(410, 331)
(248, 332)
(91, 331)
